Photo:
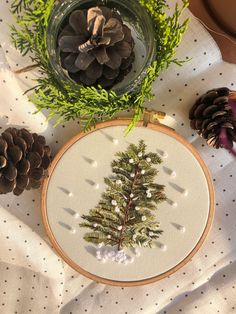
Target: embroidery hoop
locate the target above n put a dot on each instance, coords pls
(156, 127)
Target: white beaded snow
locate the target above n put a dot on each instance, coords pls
(142, 171)
(111, 254)
(131, 259)
(144, 218)
(131, 195)
(114, 202)
(98, 255)
(163, 247)
(119, 228)
(109, 236)
(94, 163)
(95, 225)
(118, 182)
(173, 174)
(132, 175)
(115, 141)
(174, 204)
(182, 229)
(131, 161)
(148, 159)
(150, 233)
(164, 154)
(117, 209)
(137, 208)
(118, 256)
(96, 186)
(149, 195)
(140, 154)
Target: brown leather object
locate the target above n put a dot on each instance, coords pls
(220, 16)
(224, 14)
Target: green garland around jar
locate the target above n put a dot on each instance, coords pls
(89, 104)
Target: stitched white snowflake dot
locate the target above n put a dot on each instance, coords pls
(94, 164)
(114, 202)
(115, 141)
(144, 218)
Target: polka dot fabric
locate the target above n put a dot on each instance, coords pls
(34, 280)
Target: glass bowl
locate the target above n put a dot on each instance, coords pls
(133, 15)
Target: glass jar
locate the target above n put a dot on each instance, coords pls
(133, 15)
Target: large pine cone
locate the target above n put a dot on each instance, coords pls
(24, 159)
(96, 48)
(212, 112)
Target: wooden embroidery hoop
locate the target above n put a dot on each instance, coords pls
(157, 127)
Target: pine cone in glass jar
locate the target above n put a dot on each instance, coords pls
(96, 48)
(24, 160)
(213, 113)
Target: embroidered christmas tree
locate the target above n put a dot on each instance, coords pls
(126, 213)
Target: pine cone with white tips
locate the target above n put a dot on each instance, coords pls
(96, 48)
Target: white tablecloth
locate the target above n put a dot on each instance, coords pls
(33, 278)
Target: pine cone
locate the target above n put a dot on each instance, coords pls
(96, 47)
(211, 113)
(24, 159)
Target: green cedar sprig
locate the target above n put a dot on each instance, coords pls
(91, 104)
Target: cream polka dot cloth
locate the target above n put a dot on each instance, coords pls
(34, 280)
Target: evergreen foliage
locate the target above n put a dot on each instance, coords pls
(125, 215)
(91, 104)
